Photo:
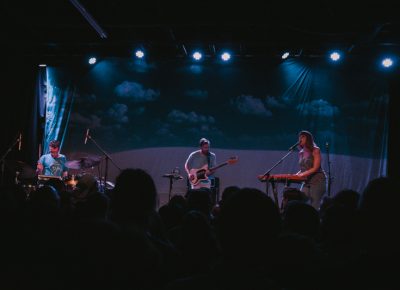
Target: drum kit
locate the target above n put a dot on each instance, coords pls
(25, 175)
(19, 173)
(82, 165)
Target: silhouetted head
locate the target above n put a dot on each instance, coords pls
(87, 184)
(292, 193)
(378, 195)
(301, 218)
(228, 193)
(46, 199)
(134, 195)
(200, 200)
(348, 198)
(248, 225)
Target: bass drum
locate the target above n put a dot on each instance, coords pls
(56, 181)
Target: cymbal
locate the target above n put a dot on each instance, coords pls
(73, 164)
(24, 169)
(84, 162)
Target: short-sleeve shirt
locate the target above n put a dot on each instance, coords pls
(197, 160)
(53, 166)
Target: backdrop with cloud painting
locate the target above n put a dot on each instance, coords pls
(152, 114)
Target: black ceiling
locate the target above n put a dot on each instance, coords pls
(57, 28)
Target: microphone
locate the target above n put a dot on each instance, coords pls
(19, 141)
(327, 146)
(294, 146)
(86, 136)
(176, 174)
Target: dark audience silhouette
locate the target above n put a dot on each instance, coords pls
(83, 239)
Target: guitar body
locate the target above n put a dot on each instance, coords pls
(198, 175)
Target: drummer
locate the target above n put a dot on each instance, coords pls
(53, 163)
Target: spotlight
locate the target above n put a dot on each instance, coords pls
(139, 53)
(225, 56)
(387, 62)
(42, 65)
(92, 60)
(335, 56)
(197, 55)
(285, 55)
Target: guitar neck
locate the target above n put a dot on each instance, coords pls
(218, 166)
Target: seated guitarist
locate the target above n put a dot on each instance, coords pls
(197, 166)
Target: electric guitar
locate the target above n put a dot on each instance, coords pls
(199, 174)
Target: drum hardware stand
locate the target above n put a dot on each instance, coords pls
(107, 158)
(2, 159)
(329, 170)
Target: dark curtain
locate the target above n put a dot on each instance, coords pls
(394, 129)
(17, 95)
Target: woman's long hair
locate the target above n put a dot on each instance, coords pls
(310, 144)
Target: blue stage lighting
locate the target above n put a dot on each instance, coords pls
(197, 55)
(92, 60)
(225, 56)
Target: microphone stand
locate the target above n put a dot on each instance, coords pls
(329, 170)
(172, 176)
(2, 159)
(267, 173)
(107, 157)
